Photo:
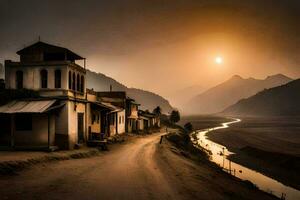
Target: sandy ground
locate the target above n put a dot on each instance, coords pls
(138, 169)
(268, 145)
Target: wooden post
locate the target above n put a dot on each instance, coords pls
(161, 139)
(223, 157)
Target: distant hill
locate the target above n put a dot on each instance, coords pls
(229, 92)
(148, 100)
(182, 96)
(278, 101)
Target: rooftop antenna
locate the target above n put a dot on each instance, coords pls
(39, 38)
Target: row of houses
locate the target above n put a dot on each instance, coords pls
(65, 113)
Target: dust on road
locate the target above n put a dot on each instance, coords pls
(139, 169)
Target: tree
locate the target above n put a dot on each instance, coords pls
(157, 111)
(175, 116)
(188, 127)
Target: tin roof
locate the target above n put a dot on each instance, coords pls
(49, 48)
(39, 106)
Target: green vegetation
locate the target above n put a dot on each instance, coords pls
(175, 116)
(188, 127)
(157, 111)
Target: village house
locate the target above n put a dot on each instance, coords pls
(147, 120)
(65, 114)
(58, 117)
(127, 119)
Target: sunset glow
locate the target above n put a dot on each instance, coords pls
(219, 60)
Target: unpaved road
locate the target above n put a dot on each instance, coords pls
(138, 169)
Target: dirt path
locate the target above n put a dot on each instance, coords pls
(140, 169)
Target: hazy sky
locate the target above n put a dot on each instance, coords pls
(165, 45)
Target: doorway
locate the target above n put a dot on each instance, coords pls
(80, 124)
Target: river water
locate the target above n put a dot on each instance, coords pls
(219, 155)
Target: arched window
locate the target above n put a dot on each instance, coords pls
(73, 81)
(57, 78)
(82, 84)
(78, 83)
(70, 80)
(44, 78)
(19, 79)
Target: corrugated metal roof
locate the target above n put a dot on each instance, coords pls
(27, 106)
(109, 105)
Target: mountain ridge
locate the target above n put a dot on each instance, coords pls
(221, 96)
(282, 100)
(147, 99)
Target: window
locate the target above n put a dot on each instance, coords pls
(44, 78)
(57, 80)
(70, 80)
(93, 118)
(23, 122)
(19, 79)
(78, 83)
(82, 84)
(73, 81)
(120, 120)
(123, 119)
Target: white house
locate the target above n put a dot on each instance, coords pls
(52, 72)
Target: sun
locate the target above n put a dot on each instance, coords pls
(219, 60)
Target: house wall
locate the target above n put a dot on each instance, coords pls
(32, 76)
(129, 125)
(134, 110)
(96, 124)
(76, 71)
(61, 127)
(140, 124)
(112, 124)
(38, 136)
(61, 120)
(121, 122)
(73, 122)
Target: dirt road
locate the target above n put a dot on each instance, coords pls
(138, 169)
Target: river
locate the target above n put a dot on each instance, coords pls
(219, 154)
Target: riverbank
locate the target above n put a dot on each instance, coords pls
(206, 179)
(270, 146)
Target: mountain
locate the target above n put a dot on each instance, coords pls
(229, 92)
(278, 101)
(180, 97)
(148, 100)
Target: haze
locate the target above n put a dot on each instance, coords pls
(162, 46)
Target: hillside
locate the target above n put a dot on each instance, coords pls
(180, 97)
(279, 101)
(231, 91)
(148, 100)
